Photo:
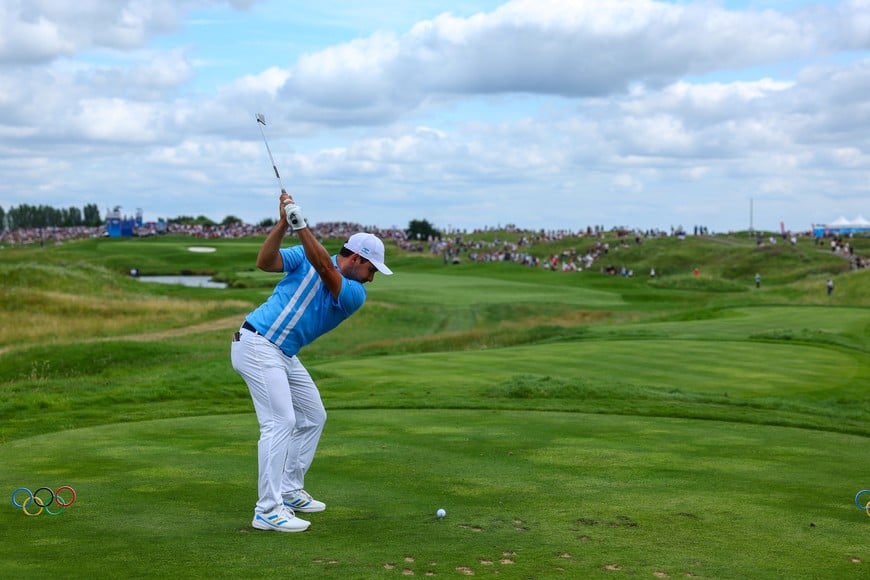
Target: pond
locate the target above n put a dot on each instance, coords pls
(192, 281)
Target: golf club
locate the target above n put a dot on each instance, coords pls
(261, 122)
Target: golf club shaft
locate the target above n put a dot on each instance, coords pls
(262, 121)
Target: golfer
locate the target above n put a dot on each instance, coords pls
(316, 294)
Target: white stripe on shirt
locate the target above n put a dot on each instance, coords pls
(285, 312)
(309, 296)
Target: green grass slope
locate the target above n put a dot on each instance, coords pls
(572, 424)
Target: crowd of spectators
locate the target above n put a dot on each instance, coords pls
(53, 235)
(454, 248)
(56, 235)
(458, 247)
(842, 246)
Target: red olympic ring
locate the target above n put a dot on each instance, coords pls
(60, 500)
(29, 498)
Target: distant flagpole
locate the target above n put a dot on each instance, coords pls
(751, 226)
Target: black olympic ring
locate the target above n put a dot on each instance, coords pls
(43, 498)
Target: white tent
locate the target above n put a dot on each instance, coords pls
(842, 226)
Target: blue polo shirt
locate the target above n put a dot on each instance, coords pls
(301, 308)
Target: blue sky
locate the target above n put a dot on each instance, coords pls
(547, 114)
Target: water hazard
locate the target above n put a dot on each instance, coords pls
(192, 281)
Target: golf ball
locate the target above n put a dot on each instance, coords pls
(440, 513)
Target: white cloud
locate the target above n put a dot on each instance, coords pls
(43, 30)
(457, 117)
(562, 47)
(625, 181)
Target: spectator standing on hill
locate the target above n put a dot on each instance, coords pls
(316, 294)
(830, 286)
(758, 280)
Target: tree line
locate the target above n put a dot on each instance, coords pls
(27, 216)
(43, 216)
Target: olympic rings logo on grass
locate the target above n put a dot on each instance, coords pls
(43, 498)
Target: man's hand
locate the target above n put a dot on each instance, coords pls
(294, 216)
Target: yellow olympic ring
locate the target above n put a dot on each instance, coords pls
(867, 507)
(35, 500)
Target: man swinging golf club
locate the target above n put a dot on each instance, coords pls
(316, 294)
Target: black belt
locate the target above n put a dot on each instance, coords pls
(248, 326)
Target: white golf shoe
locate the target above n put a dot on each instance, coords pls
(280, 520)
(301, 501)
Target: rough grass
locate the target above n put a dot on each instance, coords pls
(48, 303)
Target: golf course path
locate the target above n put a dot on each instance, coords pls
(229, 323)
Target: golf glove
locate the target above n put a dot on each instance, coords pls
(294, 216)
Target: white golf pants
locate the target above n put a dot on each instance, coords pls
(290, 413)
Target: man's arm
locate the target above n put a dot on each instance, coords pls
(321, 261)
(269, 259)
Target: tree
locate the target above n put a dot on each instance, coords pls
(192, 221)
(231, 220)
(71, 217)
(43, 216)
(92, 215)
(421, 230)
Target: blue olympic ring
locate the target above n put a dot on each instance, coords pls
(858, 500)
(15, 493)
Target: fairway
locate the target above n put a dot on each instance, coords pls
(527, 495)
(730, 368)
(460, 290)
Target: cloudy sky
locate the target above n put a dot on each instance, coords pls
(467, 113)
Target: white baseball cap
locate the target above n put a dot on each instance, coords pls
(370, 247)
